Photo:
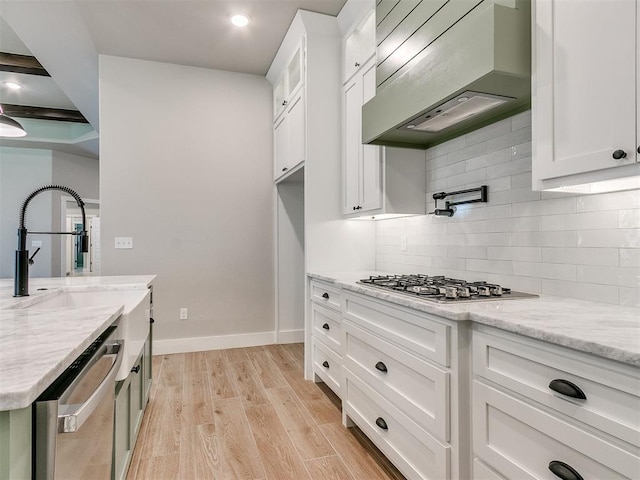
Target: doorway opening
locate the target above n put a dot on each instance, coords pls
(73, 261)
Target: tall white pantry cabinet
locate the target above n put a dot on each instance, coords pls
(310, 232)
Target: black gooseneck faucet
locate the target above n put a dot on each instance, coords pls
(21, 281)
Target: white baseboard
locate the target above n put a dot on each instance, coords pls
(290, 336)
(199, 344)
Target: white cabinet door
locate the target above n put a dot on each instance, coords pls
(280, 146)
(352, 104)
(359, 46)
(584, 86)
(362, 187)
(296, 131)
(371, 166)
(279, 97)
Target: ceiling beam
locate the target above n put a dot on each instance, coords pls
(43, 113)
(11, 62)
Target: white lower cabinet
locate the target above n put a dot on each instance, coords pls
(400, 383)
(411, 449)
(544, 411)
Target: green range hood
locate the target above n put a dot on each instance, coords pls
(468, 64)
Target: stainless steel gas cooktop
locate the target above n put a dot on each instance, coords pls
(442, 289)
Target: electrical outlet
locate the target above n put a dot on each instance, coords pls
(36, 243)
(123, 242)
(184, 314)
(403, 243)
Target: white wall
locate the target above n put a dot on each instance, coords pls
(186, 170)
(578, 246)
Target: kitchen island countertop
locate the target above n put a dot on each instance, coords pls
(38, 344)
(609, 331)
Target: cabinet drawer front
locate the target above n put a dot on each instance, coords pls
(612, 391)
(520, 441)
(418, 333)
(417, 388)
(325, 294)
(414, 452)
(327, 327)
(328, 366)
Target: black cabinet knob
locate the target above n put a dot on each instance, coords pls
(382, 367)
(618, 154)
(638, 149)
(325, 326)
(354, 208)
(284, 169)
(356, 64)
(325, 295)
(325, 364)
(567, 388)
(135, 369)
(151, 320)
(381, 423)
(284, 102)
(564, 471)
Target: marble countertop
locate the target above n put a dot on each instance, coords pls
(38, 344)
(609, 331)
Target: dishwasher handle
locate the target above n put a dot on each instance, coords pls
(75, 415)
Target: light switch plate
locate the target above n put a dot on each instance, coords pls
(124, 242)
(36, 243)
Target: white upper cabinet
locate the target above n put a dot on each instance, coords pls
(585, 92)
(362, 182)
(359, 46)
(289, 82)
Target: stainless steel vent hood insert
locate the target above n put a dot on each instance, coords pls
(483, 56)
(462, 107)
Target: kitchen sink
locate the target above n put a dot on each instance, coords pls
(133, 325)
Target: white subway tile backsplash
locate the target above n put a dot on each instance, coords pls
(545, 207)
(567, 238)
(522, 254)
(490, 266)
(581, 256)
(630, 257)
(609, 201)
(581, 291)
(621, 238)
(521, 120)
(629, 218)
(545, 270)
(578, 246)
(625, 277)
(579, 221)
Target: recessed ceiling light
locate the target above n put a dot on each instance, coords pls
(13, 85)
(240, 20)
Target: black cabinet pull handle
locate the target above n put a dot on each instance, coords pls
(325, 326)
(325, 295)
(564, 471)
(381, 423)
(325, 364)
(136, 369)
(284, 102)
(618, 154)
(354, 208)
(567, 388)
(382, 367)
(151, 320)
(638, 149)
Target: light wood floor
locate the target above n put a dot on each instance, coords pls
(248, 413)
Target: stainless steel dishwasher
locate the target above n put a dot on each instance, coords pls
(73, 418)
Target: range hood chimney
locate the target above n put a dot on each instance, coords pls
(446, 68)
